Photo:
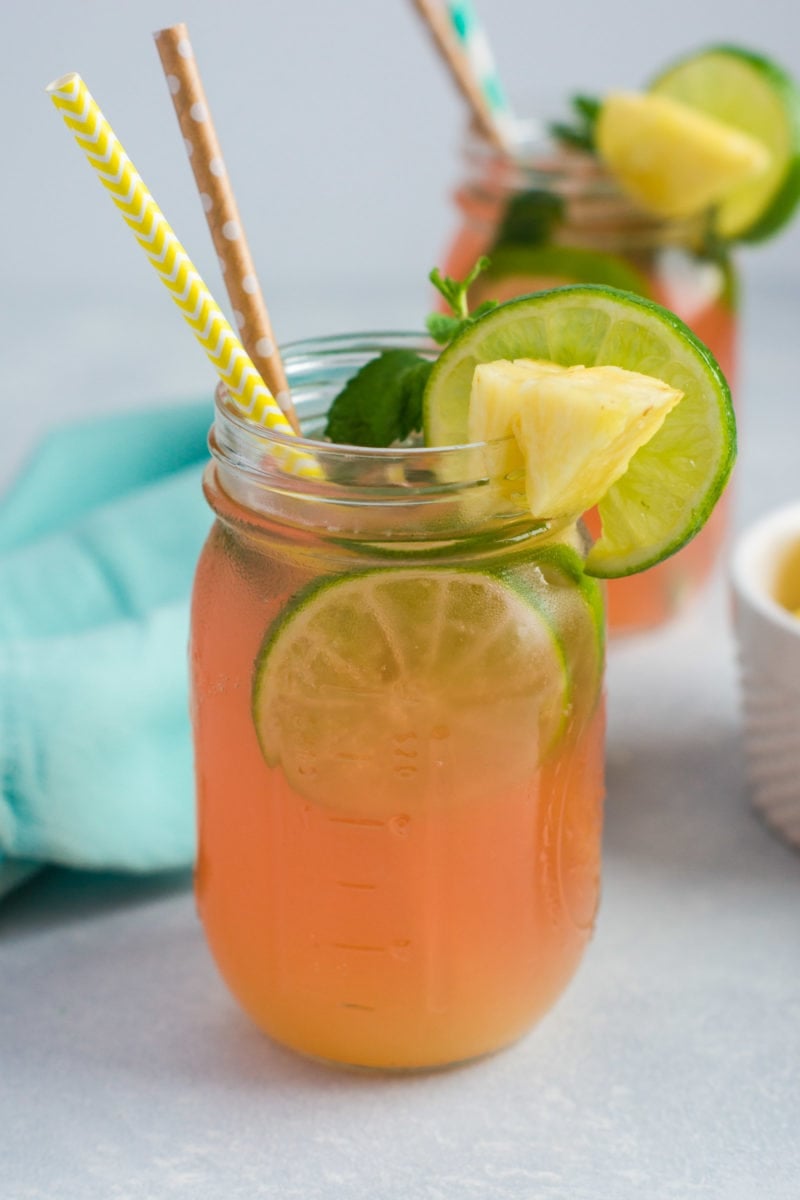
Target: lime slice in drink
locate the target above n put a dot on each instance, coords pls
(671, 483)
(385, 691)
(753, 95)
(672, 159)
(517, 270)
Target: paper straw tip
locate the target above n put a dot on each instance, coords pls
(62, 82)
(179, 30)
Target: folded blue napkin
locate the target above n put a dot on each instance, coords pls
(98, 542)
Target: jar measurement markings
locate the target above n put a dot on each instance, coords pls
(361, 822)
(357, 947)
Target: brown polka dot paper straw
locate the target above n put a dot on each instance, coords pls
(435, 17)
(222, 213)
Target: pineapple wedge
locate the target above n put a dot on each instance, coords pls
(572, 430)
(493, 421)
(672, 159)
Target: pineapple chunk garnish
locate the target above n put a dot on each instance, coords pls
(571, 430)
(672, 159)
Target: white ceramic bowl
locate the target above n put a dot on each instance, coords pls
(766, 585)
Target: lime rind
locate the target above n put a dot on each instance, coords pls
(663, 500)
(673, 482)
(756, 96)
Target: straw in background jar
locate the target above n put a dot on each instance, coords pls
(461, 69)
(475, 42)
(248, 392)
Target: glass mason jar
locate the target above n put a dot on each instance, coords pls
(549, 216)
(398, 720)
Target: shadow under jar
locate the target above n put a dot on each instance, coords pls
(547, 216)
(398, 722)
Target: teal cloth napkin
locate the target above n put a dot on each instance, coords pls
(98, 542)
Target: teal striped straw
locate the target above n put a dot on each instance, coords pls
(475, 44)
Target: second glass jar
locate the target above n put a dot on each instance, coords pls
(548, 216)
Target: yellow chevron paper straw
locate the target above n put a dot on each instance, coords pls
(118, 175)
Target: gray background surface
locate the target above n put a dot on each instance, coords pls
(670, 1070)
(340, 131)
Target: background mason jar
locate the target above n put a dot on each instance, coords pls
(550, 216)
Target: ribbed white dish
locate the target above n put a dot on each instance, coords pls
(766, 579)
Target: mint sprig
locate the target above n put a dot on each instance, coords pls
(580, 133)
(443, 327)
(382, 403)
(529, 219)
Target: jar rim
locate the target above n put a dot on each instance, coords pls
(538, 161)
(392, 478)
(331, 344)
(533, 149)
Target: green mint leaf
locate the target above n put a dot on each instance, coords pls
(482, 309)
(414, 383)
(455, 290)
(382, 403)
(580, 134)
(573, 136)
(587, 107)
(480, 265)
(449, 288)
(529, 219)
(442, 327)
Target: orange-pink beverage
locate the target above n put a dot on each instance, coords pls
(550, 217)
(397, 705)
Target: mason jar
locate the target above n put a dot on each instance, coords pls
(397, 682)
(547, 216)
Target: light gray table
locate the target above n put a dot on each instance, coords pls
(671, 1069)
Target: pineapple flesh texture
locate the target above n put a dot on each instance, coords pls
(672, 159)
(571, 430)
